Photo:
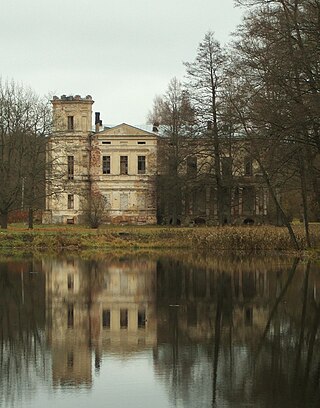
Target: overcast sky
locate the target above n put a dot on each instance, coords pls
(122, 52)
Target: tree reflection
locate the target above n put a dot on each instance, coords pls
(224, 332)
(23, 358)
(256, 323)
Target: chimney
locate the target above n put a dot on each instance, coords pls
(97, 121)
(155, 127)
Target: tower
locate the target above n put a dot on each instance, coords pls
(72, 115)
(69, 158)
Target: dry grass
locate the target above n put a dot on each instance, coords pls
(249, 238)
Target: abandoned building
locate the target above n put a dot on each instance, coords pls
(120, 163)
(126, 166)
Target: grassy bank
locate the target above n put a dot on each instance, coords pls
(251, 238)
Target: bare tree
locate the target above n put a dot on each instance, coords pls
(205, 79)
(276, 89)
(25, 121)
(94, 208)
(173, 113)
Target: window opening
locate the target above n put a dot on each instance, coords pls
(123, 164)
(70, 318)
(191, 166)
(70, 281)
(106, 168)
(70, 201)
(70, 167)
(141, 164)
(248, 166)
(70, 123)
(106, 319)
(123, 318)
(141, 318)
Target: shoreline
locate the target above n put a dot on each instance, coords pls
(231, 238)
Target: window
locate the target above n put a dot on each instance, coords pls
(248, 316)
(141, 201)
(70, 315)
(70, 167)
(248, 200)
(106, 169)
(123, 318)
(70, 281)
(70, 201)
(107, 200)
(70, 359)
(141, 142)
(192, 315)
(70, 123)
(123, 284)
(106, 142)
(191, 166)
(248, 166)
(124, 199)
(141, 164)
(226, 166)
(106, 319)
(141, 318)
(123, 164)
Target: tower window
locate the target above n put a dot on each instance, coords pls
(70, 167)
(70, 281)
(70, 201)
(70, 123)
(70, 316)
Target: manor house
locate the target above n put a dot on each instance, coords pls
(120, 163)
(128, 167)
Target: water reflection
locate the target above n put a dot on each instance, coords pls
(97, 307)
(23, 357)
(218, 332)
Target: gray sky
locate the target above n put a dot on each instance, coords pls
(122, 52)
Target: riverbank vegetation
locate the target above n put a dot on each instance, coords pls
(244, 238)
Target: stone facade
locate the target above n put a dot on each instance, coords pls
(191, 195)
(130, 169)
(119, 163)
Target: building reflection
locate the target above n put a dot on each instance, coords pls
(105, 307)
(218, 328)
(194, 292)
(225, 314)
(225, 327)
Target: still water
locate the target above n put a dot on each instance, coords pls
(180, 330)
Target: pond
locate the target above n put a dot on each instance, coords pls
(160, 331)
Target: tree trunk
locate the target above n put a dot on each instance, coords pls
(30, 218)
(278, 205)
(304, 199)
(4, 220)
